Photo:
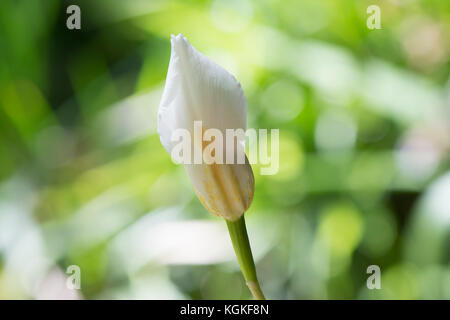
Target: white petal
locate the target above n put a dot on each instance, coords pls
(198, 89)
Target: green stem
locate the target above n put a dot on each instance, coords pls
(241, 245)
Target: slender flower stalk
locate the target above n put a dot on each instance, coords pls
(199, 90)
(241, 245)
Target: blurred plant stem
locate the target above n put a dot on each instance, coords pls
(241, 245)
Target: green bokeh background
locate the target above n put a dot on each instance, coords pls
(364, 119)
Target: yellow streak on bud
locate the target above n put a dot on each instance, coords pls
(225, 196)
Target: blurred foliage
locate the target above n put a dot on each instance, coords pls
(364, 119)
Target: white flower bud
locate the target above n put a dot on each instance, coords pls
(197, 89)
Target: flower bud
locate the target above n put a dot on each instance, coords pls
(197, 89)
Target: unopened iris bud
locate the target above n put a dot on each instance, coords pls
(197, 90)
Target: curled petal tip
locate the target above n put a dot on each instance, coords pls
(178, 42)
(177, 37)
